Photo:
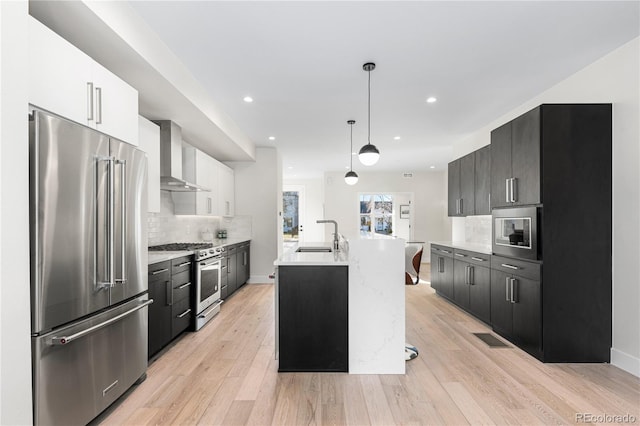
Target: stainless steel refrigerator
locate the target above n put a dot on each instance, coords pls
(88, 269)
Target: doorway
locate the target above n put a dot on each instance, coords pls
(293, 208)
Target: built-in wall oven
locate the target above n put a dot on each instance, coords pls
(208, 283)
(515, 232)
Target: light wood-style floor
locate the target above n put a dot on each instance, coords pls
(225, 374)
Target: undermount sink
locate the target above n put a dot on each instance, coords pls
(314, 250)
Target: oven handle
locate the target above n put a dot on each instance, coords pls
(211, 309)
(208, 266)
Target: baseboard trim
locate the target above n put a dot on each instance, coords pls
(260, 279)
(626, 362)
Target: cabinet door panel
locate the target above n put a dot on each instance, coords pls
(500, 164)
(435, 271)
(453, 187)
(447, 277)
(460, 286)
(501, 308)
(483, 181)
(480, 293)
(159, 313)
(527, 314)
(467, 184)
(525, 157)
(58, 74)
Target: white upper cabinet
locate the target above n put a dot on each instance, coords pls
(67, 82)
(149, 142)
(207, 176)
(201, 169)
(226, 179)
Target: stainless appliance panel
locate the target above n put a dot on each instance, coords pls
(69, 217)
(130, 223)
(81, 369)
(515, 232)
(208, 278)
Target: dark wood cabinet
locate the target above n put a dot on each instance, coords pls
(171, 288)
(160, 310)
(516, 304)
(232, 272)
(235, 268)
(242, 264)
(461, 200)
(480, 292)
(515, 161)
(461, 283)
(483, 181)
(313, 318)
(442, 270)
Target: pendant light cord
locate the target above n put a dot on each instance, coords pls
(351, 149)
(369, 111)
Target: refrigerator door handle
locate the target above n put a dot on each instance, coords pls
(63, 340)
(109, 254)
(123, 221)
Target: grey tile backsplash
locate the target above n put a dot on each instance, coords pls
(165, 227)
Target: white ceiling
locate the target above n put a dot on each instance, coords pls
(302, 63)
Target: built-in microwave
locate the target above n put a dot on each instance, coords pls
(515, 232)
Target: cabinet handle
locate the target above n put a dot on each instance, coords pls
(184, 313)
(209, 205)
(506, 265)
(169, 292)
(461, 206)
(445, 251)
(460, 255)
(478, 259)
(184, 264)
(98, 105)
(471, 275)
(512, 190)
(506, 287)
(506, 190)
(184, 285)
(466, 274)
(513, 282)
(159, 271)
(89, 101)
(440, 264)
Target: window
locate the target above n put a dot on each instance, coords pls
(376, 213)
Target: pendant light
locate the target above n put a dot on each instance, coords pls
(351, 178)
(369, 154)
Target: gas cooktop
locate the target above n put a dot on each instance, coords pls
(202, 250)
(181, 246)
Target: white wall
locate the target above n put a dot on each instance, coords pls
(429, 207)
(15, 328)
(314, 206)
(612, 79)
(258, 187)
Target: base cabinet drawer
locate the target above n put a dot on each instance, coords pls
(181, 314)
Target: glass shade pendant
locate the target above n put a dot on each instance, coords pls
(351, 178)
(369, 154)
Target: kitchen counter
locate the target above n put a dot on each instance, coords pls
(292, 258)
(476, 247)
(161, 256)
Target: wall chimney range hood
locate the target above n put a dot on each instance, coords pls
(171, 170)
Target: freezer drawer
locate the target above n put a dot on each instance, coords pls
(81, 369)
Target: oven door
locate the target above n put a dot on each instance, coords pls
(208, 283)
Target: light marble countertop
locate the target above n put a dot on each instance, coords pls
(477, 247)
(292, 258)
(161, 256)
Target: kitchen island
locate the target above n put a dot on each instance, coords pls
(364, 284)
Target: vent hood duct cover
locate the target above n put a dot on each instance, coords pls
(171, 172)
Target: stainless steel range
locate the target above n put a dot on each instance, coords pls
(208, 277)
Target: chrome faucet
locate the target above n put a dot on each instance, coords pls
(336, 237)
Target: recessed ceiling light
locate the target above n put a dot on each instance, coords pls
(248, 99)
(290, 167)
(432, 167)
(354, 153)
(272, 138)
(431, 99)
(346, 167)
(396, 138)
